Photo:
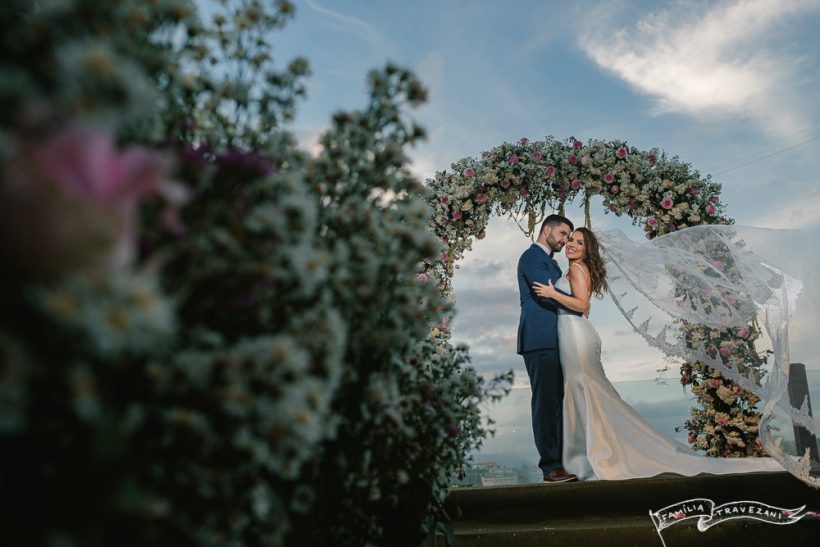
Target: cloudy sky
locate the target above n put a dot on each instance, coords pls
(728, 86)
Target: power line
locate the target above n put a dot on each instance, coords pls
(766, 156)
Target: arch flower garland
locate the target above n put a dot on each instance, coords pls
(663, 194)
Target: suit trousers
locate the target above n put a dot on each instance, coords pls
(547, 382)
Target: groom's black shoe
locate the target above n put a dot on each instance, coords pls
(559, 475)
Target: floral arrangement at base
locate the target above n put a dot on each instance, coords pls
(208, 337)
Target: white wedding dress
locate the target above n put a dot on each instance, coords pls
(605, 438)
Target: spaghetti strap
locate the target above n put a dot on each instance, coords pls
(582, 269)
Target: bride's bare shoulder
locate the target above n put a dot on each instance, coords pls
(582, 269)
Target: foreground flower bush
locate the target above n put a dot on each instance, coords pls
(207, 337)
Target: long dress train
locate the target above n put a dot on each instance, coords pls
(604, 437)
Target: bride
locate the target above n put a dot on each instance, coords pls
(605, 438)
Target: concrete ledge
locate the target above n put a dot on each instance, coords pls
(617, 512)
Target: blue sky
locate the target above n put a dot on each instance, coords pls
(728, 86)
(720, 84)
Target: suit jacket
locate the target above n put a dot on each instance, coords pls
(538, 322)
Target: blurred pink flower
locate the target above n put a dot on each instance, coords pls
(576, 144)
(609, 178)
(719, 265)
(652, 221)
(667, 203)
(614, 188)
(573, 159)
(621, 152)
(71, 202)
(713, 382)
(525, 192)
(652, 158)
(456, 215)
(87, 164)
(523, 140)
(536, 155)
(481, 197)
(714, 199)
(469, 172)
(481, 235)
(726, 351)
(444, 200)
(575, 184)
(743, 332)
(693, 191)
(550, 170)
(513, 159)
(505, 183)
(710, 209)
(422, 277)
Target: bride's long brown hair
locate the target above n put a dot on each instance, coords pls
(597, 270)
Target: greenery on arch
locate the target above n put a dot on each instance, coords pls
(662, 194)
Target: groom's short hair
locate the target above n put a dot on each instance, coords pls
(554, 220)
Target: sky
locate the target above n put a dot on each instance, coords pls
(730, 87)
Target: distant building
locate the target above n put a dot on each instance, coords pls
(488, 474)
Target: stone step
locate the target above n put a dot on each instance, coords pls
(617, 512)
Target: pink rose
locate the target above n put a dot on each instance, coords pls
(652, 158)
(614, 188)
(536, 155)
(573, 159)
(442, 326)
(714, 199)
(444, 200)
(71, 201)
(469, 172)
(633, 204)
(725, 351)
(691, 438)
(443, 258)
(743, 332)
(714, 383)
(513, 159)
(621, 153)
(422, 278)
(456, 215)
(481, 235)
(576, 184)
(723, 421)
(505, 183)
(730, 299)
(550, 170)
(523, 140)
(710, 209)
(667, 203)
(693, 192)
(576, 144)
(719, 265)
(524, 192)
(609, 178)
(652, 222)
(481, 197)
(649, 235)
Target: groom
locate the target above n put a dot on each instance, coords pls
(538, 344)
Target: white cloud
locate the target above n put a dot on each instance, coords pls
(352, 25)
(709, 59)
(801, 213)
(307, 139)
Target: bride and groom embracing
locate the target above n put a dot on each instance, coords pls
(582, 427)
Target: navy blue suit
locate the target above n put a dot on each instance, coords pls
(538, 344)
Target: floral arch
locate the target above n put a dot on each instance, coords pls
(524, 180)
